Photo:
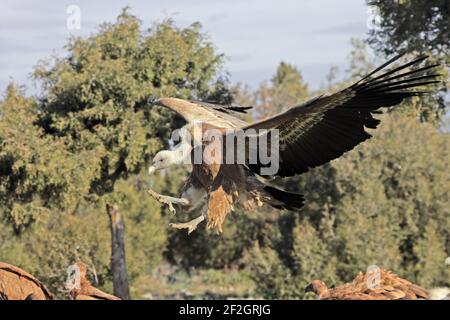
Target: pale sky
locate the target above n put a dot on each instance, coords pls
(255, 35)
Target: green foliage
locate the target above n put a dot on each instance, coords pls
(416, 27)
(37, 171)
(206, 249)
(96, 96)
(49, 247)
(311, 256)
(430, 250)
(413, 25)
(285, 90)
(145, 227)
(273, 279)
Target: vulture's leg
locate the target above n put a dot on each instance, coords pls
(170, 201)
(191, 197)
(190, 225)
(196, 197)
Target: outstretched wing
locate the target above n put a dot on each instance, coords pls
(207, 112)
(325, 127)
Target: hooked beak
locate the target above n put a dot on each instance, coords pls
(151, 170)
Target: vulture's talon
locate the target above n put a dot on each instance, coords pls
(167, 200)
(172, 210)
(190, 225)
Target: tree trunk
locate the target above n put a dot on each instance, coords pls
(118, 263)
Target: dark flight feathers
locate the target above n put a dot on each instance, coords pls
(326, 127)
(223, 108)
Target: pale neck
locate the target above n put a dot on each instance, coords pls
(181, 154)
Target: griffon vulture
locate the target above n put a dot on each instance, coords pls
(377, 284)
(307, 136)
(80, 288)
(17, 284)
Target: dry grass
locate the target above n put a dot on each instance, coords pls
(199, 284)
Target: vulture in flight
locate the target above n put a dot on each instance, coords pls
(17, 284)
(377, 284)
(80, 288)
(306, 136)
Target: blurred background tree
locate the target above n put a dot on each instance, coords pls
(285, 89)
(415, 27)
(37, 171)
(411, 25)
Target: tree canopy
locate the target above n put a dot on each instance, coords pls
(412, 25)
(416, 27)
(96, 97)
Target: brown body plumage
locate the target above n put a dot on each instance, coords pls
(80, 288)
(378, 284)
(227, 185)
(17, 284)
